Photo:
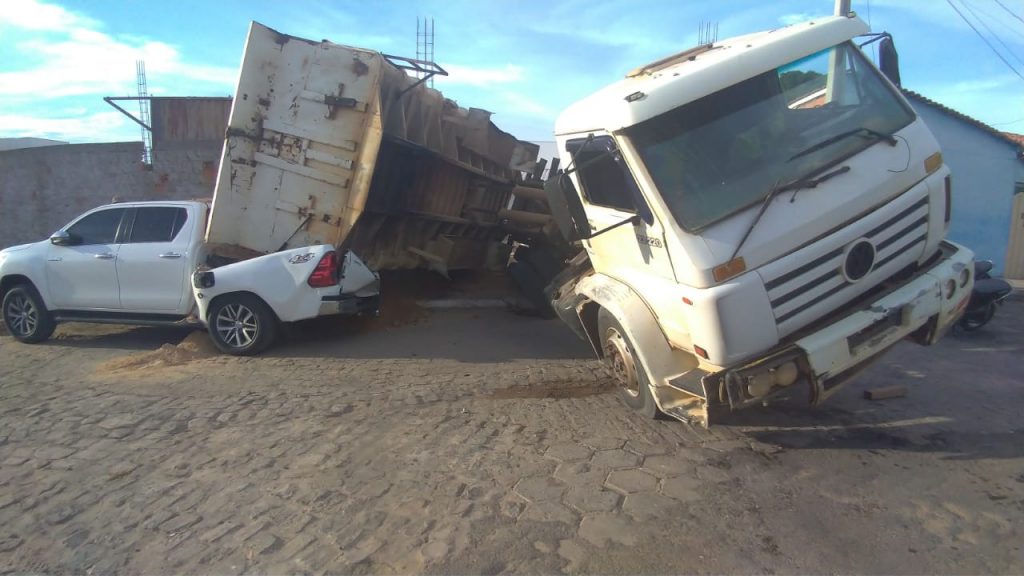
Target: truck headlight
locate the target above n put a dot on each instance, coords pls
(203, 279)
(760, 381)
(949, 289)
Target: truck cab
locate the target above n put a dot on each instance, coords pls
(756, 213)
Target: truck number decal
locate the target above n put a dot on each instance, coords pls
(655, 242)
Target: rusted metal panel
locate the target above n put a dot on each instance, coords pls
(320, 133)
(188, 119)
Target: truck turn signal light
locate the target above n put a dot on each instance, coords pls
(731, 268)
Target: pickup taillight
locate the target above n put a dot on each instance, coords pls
(326, 272)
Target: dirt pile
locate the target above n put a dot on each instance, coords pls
(195, 346)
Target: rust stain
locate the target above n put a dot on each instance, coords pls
(359, 68)
(553, 390)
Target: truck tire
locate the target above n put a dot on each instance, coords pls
(241, 324)
(620, 358)
(25, 315)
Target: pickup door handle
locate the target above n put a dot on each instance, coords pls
(107, 256)
(170, 255)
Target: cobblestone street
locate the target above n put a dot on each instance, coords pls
(484, 442)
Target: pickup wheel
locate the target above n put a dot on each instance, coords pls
(241, 325)
(625, 367)
(25, 316)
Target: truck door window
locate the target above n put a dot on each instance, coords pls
(602, 178)
(157, 224)
(98, 227)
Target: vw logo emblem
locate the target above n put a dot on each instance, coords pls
(860, 258)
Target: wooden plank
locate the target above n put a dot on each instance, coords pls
(885, 392)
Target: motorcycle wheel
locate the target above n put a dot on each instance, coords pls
(975, 320)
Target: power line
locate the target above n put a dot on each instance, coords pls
(1007, 25)
(1009, 11)
(1007, 123)
(985, 40)
(990, 31)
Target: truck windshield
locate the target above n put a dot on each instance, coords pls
(724, 152)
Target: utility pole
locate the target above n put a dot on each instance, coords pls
(842, 7)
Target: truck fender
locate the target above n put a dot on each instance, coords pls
(661, 362)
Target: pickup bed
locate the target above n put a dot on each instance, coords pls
(145, 263)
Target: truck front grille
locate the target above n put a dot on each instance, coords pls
(820, 281)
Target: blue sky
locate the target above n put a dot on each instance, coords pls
(523, 60)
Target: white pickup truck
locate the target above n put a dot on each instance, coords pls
(144, 263)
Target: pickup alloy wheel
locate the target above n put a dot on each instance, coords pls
(25, 315)
(242, 325)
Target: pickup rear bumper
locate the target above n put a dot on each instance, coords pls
(349, 304)
(924, 308)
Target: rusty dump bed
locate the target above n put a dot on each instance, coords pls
(338, 145)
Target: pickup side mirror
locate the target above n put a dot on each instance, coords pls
(567, 208)
(62, 238)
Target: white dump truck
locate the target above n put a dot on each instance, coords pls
(756, 216)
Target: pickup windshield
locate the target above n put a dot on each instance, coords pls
(724, 152)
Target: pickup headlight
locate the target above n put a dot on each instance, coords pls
(203, 279)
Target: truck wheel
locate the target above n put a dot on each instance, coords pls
(625, 367)
(25, 316)
(241, 325)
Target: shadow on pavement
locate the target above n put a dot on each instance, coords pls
(964, 398)
(115, 336)
(476, 335)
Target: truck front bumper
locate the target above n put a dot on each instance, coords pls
(923, 308)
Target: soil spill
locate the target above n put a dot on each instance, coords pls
(195, 346)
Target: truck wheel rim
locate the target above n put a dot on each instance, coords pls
(621, 362)
(22, 315)
(237, 325)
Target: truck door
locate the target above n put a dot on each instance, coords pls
(82, 275)
(152, 259)
(610, 195)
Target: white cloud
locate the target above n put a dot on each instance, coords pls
(90, 62)
(63, 55)
(97, 127)
(522, 105)
(796, 18)
(481, 77)
(34, 15)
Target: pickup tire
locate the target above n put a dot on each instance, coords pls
(620, 358)
(241, 324)
(25, 315)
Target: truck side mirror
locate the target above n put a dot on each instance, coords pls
(567, 208)
(62, 238)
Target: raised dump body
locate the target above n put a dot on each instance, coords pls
(338, 145)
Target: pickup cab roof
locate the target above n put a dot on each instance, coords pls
(673, 81)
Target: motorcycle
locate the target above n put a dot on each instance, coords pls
(988, 293)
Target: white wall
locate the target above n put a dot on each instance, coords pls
(984, 169)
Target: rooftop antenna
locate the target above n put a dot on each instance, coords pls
(707, 33)
(147, 135)
(425, 44)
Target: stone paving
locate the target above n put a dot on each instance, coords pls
(428, 448)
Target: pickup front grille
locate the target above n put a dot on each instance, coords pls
(821, 278)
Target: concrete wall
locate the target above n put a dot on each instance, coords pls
(984, 168)
(42, 189)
